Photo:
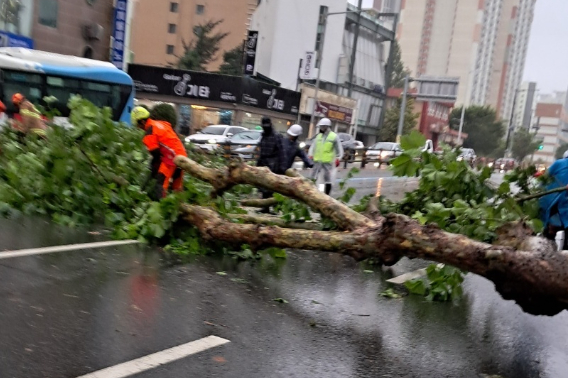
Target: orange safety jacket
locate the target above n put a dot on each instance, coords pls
(160, 135)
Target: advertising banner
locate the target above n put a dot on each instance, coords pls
(309, 70)
(334, 112)
(119, 34)
(250, 52)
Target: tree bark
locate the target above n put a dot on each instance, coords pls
(536, 277)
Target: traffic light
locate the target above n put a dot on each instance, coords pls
(540, 147)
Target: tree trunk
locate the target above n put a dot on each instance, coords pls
(535, 277)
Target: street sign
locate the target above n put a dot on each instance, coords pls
(118, 34)
(308, 71)
(440, 88)
(250, 52)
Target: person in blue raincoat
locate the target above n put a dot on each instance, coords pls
(554, 207)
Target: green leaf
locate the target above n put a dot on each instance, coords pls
(222, 273)
(368, 271)
(415, 140)
(416, 286)
(280, 300)
(389, 293)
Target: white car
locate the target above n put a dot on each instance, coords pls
(210, 137)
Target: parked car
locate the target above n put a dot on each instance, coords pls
(211, 136)
(383, 152)
(244, 144)
(505, 164)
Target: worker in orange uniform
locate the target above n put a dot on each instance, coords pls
(164, 145)
(29, 120)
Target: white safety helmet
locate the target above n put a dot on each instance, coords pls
(565, 156)
(324, 122)
(295, 130)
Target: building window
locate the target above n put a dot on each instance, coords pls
(172, 28)
(174, 7)
(48, 13)
(200, 9)
(170, 49)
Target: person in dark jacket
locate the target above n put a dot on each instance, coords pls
(272, 154)
(293, 150)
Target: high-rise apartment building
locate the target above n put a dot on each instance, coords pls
(483, 42)
(525, 106)
(160, 28)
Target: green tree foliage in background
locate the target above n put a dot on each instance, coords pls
(524, 144)
(398, 72)
(232, 62)
(164, 112)
(202, 49)
(392, 117)
(482, 126)
(560, 151)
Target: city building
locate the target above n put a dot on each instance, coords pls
(484, 43)
(525, 106)
(73, 27)
(550, 125)
(161, 28)
(282, 48)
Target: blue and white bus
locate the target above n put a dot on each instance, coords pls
(37, 74)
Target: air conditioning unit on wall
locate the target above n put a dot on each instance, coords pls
(93, 32)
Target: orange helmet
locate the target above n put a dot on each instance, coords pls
(2, 107)
(17, 98)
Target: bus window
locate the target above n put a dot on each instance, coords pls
(98, 93)
(28, 84)
(62, 89)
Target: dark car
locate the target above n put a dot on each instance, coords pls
(244, 144)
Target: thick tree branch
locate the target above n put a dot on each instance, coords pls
(259, 202)
(273, 221)
(298, 188)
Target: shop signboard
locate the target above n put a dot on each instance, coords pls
(269, 97)
(119, 34)
(213, 87)
(250, 52)
(334, 112)
(13, 40)
(180, 83)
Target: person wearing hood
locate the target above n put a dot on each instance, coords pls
(293, 150)
(554, 207)
(272, 153)
(326, 152)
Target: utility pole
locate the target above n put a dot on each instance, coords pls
(510, 128)
(354, 50)
(318, 64)
(402, 110)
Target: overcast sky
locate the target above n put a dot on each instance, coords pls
(547, 58)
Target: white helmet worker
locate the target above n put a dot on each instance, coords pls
(295, 130)
(324, 122)
(565, 156)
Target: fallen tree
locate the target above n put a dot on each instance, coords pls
(96, 173)
(536, 278)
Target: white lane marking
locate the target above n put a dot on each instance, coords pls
(160, 358)
(64, 248)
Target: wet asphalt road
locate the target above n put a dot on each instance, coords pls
(68, 314)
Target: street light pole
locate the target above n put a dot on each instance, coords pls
(354, 50)
(509, 144)
(402, 110)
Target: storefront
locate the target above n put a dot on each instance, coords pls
(204, 99)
